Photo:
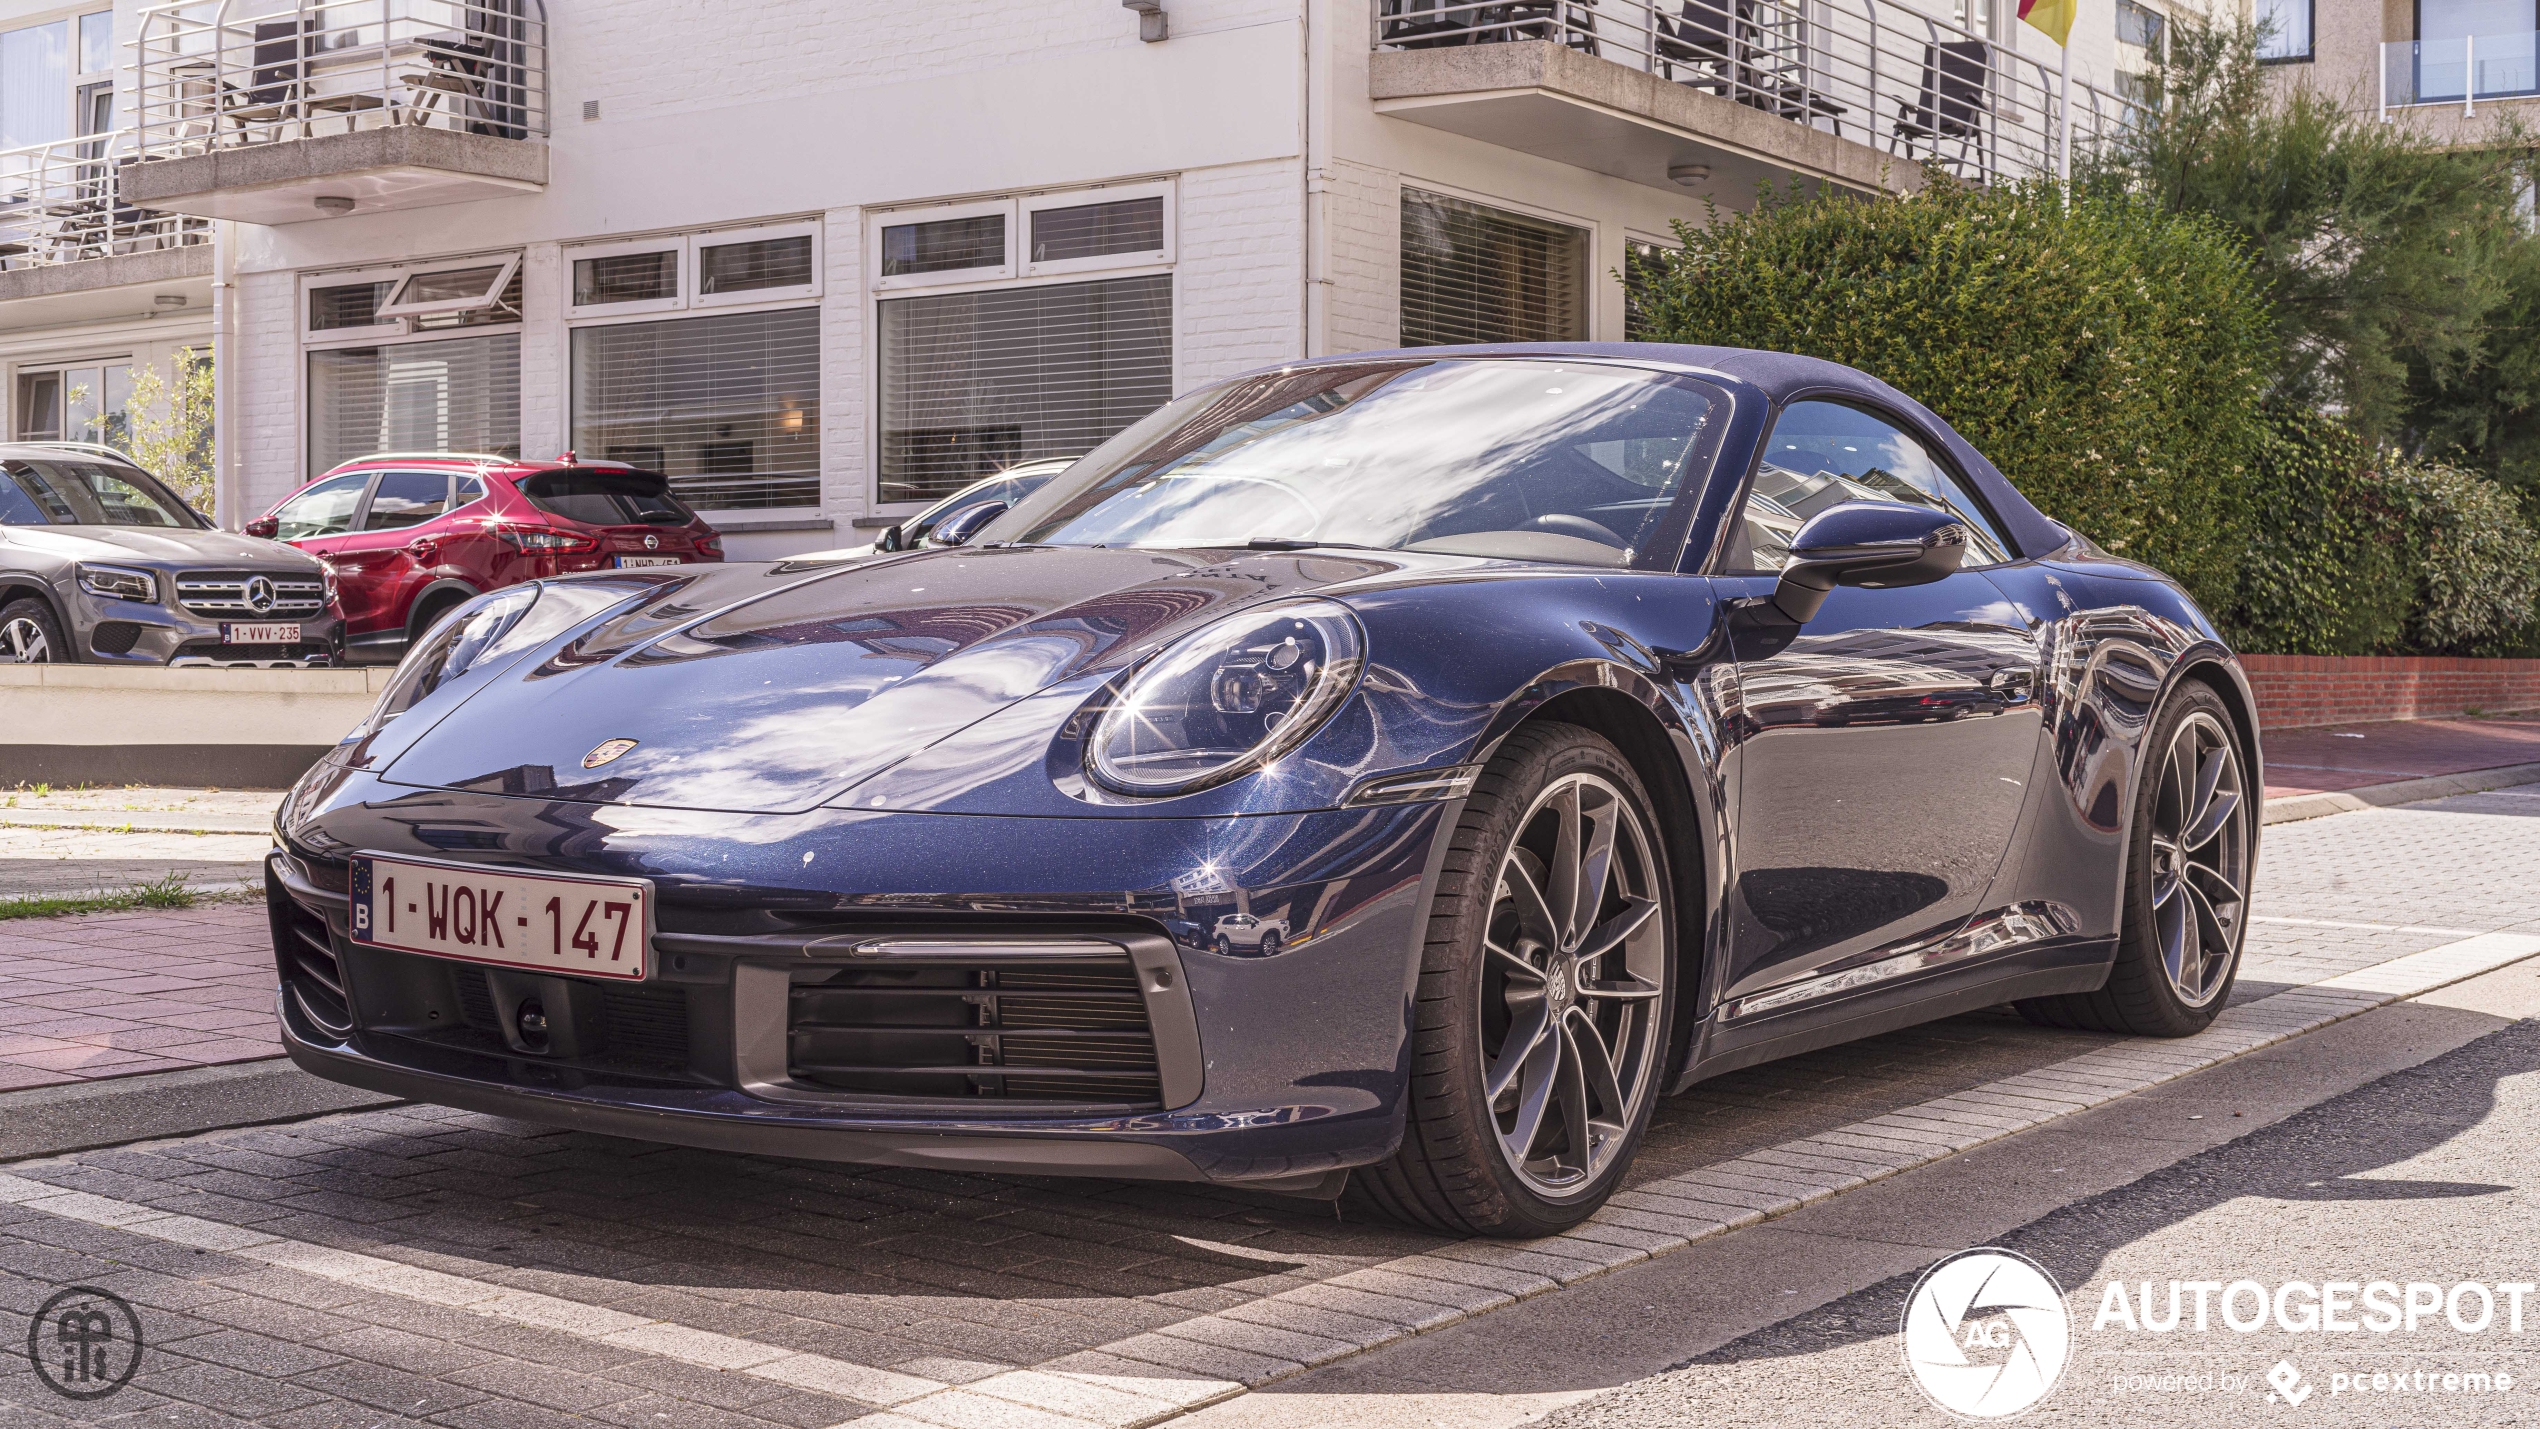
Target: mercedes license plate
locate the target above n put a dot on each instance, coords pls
(271, 634)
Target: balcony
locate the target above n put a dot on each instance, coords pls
(310, 111)
(2459, 72)
(70, 235)
(1719, 94)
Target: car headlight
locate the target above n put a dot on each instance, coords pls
(119, 583)
(1227, 700)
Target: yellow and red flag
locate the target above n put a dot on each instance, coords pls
(2055, 17)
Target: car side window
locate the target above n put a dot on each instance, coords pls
(469, 489)
(325, 509)
(25, 499)
(407, 498)
(1823, 454)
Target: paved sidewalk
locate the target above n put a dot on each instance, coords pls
(2344, 757)
(116, 995)
(140, 807)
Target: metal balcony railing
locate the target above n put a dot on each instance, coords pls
(2460, 71)
(63, 202)
(219, 74)
(1871, 70)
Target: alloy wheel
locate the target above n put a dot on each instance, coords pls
(1573, 969)
(23, 642)
(2200, 858)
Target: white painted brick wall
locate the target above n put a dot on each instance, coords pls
(845, 486)
(546, 360)
(1238, 275)
(1362, 207)
(265, 396)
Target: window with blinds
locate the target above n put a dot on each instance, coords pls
(727, 407)
(1477, 274)
(974, 382)
(455, 395)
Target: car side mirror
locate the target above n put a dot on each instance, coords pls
(1867, 543)
(959, 527)
(264, 526)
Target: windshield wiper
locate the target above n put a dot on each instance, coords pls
(1296, 543)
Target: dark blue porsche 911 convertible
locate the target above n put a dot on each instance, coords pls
(1393, 771)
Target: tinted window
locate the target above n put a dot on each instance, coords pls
(944, 245)
(762, 263)
(1823, 454)
(1525, 460)
(470, 489)
(1097, 230)
(88, 494)
(407, 498)
(605, 498)
(325, 509)
(1009, 489)
(26, 501)
(626, 278)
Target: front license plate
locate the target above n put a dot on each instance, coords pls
(287, 634)
(630, 562)
(589, 927)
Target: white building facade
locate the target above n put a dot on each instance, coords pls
(821, 263)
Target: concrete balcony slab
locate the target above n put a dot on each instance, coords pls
(385, 168)
(122, 285)
(1552, 101)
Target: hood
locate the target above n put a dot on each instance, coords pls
(784, 700)
(164, 546)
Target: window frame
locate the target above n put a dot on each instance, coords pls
(361, 503)
(1717, 562)
(878, 220)
(1589, 276)
(677, 244)
(694, 275)
(506, 266)
(1019, 229)
(620, 314)
(2311, 34)
(370, 494)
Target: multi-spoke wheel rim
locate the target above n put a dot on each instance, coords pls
(22, 642)
(2200, 858)
(1574, 966)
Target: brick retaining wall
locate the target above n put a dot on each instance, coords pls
(2297, 690)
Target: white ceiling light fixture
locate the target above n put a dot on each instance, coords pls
(334, 204)
(1689, 175)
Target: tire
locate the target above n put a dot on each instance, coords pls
(1271, 945)
(1511, 1164)
(428, 614)
(2190, 851)
(29, 635)
(1225, 946)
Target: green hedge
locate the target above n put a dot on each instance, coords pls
(2476, 563)
(2325, 571)
(2109, 358)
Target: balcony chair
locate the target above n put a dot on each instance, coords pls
(1953, 105)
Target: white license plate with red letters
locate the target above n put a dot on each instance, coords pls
(586, 927)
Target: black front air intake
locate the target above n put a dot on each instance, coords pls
(1069, 1029)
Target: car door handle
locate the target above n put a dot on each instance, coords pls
(2014, 684)
(424, 548)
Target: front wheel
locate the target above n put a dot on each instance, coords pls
(1543, 1004)
(29, 635)
(2190, 852)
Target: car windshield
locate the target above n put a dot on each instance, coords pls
(1009, 487)
(1526, 459)
(81, 493)
(606, 498)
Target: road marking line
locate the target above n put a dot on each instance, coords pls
(1290, 1330)
(2378, 927)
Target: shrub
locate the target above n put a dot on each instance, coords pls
(2326, 568)
(2476, 562)
(2108, 357)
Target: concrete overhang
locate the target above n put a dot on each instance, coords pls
(1557, 103)
(98, 289)
(387, 168)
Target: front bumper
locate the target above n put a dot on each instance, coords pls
(120, 632)
(1276, 1072)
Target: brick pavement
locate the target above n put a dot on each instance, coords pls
(2353, 756)
(115, 995)
(574, 1278)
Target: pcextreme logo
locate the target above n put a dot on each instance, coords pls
(1985, 1333)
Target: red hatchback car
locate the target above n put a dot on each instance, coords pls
(409, 535)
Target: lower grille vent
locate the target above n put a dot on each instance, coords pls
(114, 637)
(1060, 1029)
(305, 956)
(629, 1026)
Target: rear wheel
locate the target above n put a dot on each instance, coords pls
(2189, 855)
(29, 635)
(1542, 1011)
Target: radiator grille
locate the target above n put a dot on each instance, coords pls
(250, 595)
(1070, 1030)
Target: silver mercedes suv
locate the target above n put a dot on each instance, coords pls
(100, 563)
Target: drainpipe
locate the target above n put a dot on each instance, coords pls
(226, 510)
